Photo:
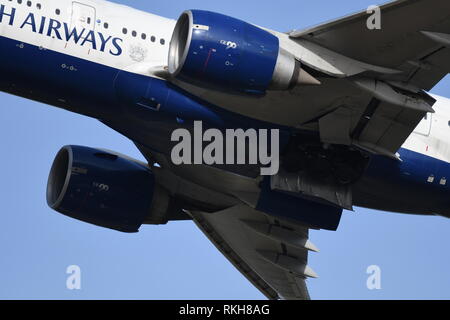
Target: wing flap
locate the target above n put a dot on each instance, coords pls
(390, 126)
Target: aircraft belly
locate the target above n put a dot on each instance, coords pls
(418, 184)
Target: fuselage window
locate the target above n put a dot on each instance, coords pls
(162, 41)
(134, 33)
(449, 123)
(143, 36)
(29, 3)
(105, 25)
(57, 11)
(19, 1)
(153, 39)
(39, 6)
(124, 31)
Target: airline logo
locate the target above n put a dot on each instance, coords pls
(62, 31)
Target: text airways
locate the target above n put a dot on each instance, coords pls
(62, 31)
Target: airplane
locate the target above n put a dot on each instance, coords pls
(349, 104)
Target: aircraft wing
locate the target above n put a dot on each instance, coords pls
(271, 253)
(414, 38)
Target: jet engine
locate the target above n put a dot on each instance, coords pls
(214, 50)
(106, 190)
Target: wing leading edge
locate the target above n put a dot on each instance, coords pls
(414, 39)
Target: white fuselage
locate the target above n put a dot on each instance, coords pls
(432, 136)
(131, 26)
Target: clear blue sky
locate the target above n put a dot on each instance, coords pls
(176, 261)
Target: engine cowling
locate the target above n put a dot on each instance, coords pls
(105, 189)
(214, 50)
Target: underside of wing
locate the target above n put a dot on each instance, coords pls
(392, 54)
(270, 253)
(412, 37)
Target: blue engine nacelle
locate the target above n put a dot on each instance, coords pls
(214, 50)
(104, 189)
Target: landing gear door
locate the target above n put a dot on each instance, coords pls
(83, 16)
